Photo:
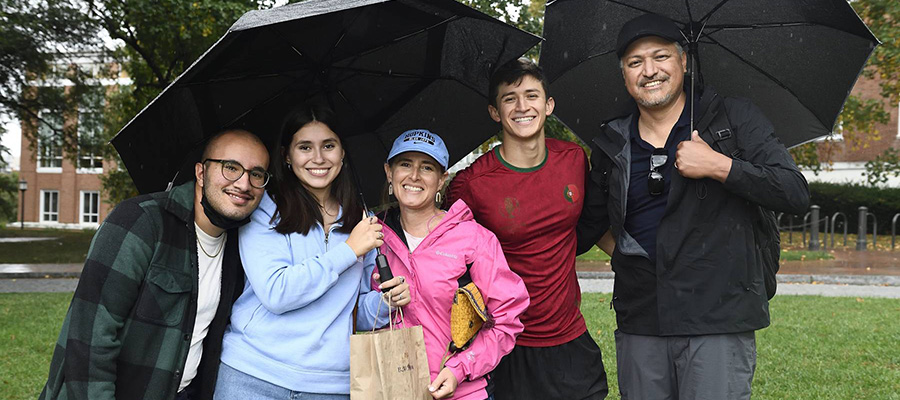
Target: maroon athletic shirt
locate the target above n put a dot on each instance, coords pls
(533, 212)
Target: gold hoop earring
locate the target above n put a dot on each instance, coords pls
(437, 197)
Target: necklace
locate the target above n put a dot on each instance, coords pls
(200, 245)
(324, 207)
(428, 224)
(325, 210)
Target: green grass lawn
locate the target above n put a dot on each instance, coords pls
(805, 255)
(67, 247)
(595, 254)
(816, 348)
(29, 326)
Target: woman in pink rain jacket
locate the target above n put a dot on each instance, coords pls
(431, 249)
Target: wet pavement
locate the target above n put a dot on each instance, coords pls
(850, 273)
(25, 239)
(589, 285)
(845, 262)
(24, 271)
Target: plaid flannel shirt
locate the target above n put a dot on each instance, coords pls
(128, 329)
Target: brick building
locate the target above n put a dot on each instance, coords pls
(849, 164)
(63, 193)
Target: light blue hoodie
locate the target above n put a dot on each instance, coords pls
(292, 324)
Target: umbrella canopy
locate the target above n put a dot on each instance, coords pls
(383, 66)
(796, 60)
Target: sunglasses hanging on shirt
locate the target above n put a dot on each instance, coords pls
(655, 182)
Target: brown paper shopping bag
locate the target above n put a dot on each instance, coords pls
(389, 365)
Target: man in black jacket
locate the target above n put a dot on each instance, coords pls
(689, 290)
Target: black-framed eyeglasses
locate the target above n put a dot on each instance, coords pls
(655, 182)
(233, 170)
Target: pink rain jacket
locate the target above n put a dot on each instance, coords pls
(432, 271)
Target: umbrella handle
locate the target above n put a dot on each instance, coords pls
(384, 270)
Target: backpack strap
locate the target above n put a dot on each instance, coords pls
(715, 121)
(466, 278)
(604, 163)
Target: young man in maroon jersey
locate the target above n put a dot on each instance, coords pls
(528, 191)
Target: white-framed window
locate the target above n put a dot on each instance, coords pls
(90, 130)
(49, 205)
(49, 142)
(90, 158)
(90, 207)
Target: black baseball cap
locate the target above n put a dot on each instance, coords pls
(647, 25)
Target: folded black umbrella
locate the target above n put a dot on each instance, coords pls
(796, 60)
(383, 66)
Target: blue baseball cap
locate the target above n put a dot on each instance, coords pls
(423, 141)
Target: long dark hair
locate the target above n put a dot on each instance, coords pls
(296, 206)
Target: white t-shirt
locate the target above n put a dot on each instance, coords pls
(412, 241)
(208, 293)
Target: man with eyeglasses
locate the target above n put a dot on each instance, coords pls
(688, 290)
(155, 294)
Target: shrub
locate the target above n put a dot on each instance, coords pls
(884, 203)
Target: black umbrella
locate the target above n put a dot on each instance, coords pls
(796, 60)
(383, 66)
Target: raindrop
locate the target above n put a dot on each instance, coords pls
(604, 27)
(566, 54)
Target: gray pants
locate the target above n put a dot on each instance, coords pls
(713, 367)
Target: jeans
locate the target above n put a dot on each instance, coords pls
(236, 385)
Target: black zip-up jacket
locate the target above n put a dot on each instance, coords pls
(707, 277)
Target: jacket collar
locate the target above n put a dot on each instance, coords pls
(615, 133)
(459, 212)
(180, 201)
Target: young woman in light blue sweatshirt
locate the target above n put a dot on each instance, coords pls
(308, 258)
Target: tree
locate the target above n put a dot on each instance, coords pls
(879, 170)
(38, 40)
(9, 198)
(158, 40)
(41, 40)
(859, 117)
(528, 16)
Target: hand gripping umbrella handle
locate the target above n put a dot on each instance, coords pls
(381, 262)
(384, 270)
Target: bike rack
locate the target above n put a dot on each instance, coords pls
(834, 223)
(805, 224)
(894, 229)
(874, 230)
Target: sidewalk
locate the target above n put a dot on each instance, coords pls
(37, 271)
(848, 268)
